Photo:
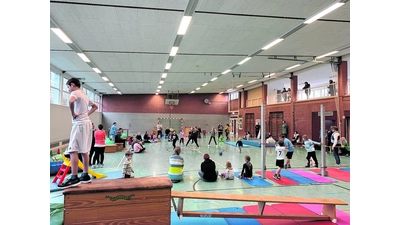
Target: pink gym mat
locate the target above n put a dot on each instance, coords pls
(342, 217)
(313, 176)
(335, 173)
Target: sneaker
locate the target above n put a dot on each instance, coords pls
(307, 166)
(216, 146)
(279, 176)
(289, 166)
(101, 165)
(85, 178)
(276, 177)
(94, 166)
(337, 165)
(285, 166)
(70, 183)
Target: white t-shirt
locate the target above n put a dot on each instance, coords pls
(81, 106)
(230, 174)
(280, 152)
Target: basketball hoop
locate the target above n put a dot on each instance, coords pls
(171, 105)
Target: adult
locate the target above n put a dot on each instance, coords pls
(175, 172)
(113, 131)
(284, 128)
(306, 88)
(284, 94)
(328, 136)
(146, 137)
(258, 127)
(332, 88)
(91, 153)
(81, 133)
(99, 147)
(159, 130)
(167, 132)
(220, 129)
(296, 138)
(208, 170)
(139, 136)
(336, 144)
(119, 139)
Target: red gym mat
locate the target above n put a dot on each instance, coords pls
(335, 173)
(268, 209)
(283, 181)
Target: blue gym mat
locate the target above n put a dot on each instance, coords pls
(196, 221)
(296, 177)
(254, 143)
(238, 221)
(234, 144)
(345, 169)
(256, 181)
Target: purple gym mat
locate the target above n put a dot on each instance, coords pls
(313, 176)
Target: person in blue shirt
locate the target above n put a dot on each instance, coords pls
(113, 131)
(290, 150)
(309, 146)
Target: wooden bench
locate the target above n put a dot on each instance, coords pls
(328, 210)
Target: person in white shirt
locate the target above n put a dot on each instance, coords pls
(230, 173)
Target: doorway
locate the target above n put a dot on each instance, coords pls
(275, 124)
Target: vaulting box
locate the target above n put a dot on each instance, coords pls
(119, 201)
(111, 148)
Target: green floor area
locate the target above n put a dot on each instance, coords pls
(155, 162)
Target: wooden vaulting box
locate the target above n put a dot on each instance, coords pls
(119, 201)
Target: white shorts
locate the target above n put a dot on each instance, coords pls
(81, 138)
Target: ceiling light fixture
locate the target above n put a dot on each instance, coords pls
(292, 67)
(174, 50)
(96, 70)
(324, 12)
(83, 57)
(252, 81)
(61, 35)
(168, 66)
(226, 71)
(111, 84)
(159, 87)
(161, 81)
(239, 86)
(197, 89)
(184, 25)
(204, 84)
(105, 78)
(330, 53)
(272, 43)
(214, 78)
(164, 75)
(244, 60)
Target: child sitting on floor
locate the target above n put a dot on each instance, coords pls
(230, 173)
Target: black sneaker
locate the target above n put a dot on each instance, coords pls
(276, 177)
(289, 166)
(70, 183)
(307, 166)
(279, 176)
(85, 178)
(285, 166)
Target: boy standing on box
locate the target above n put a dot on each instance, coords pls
(127, 169)
(81, 133)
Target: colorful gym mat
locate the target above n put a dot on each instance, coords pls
(255, 143)
(234, 144)
(283, 181)
(335, 173)
(342, 217)
(256, 181)
(298, 178)
(313, 176)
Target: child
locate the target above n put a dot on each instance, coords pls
(175, 172)
(345, 148)
(127, 169)
(230, 173)
(309, 146)
(280, 159)
(239, 143)
(247, 170)
(271, 143)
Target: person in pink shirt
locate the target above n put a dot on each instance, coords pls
(182, 138)
(137, 147)
(99, 147)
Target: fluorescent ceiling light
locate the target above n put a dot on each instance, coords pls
(159, 86)
(272, 43)
(158, 90)
(204, 84)
(105, 78)
(197, 89)
(96, 70)
(292, 67)
(244, 60)
(115, 89)
(192, 92)
(184, 25)
(239, 86)
(174, 50)
(111, 84)
(119, 92)
(161, 81)
(226, 71)
(230, 89)
(83, 57)
(330, 53)
(61, 35)
(323, 13)
(214, 78)
(156, 93)
(164, 75)
(252, 81)
(221, 92)
(168, 66)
